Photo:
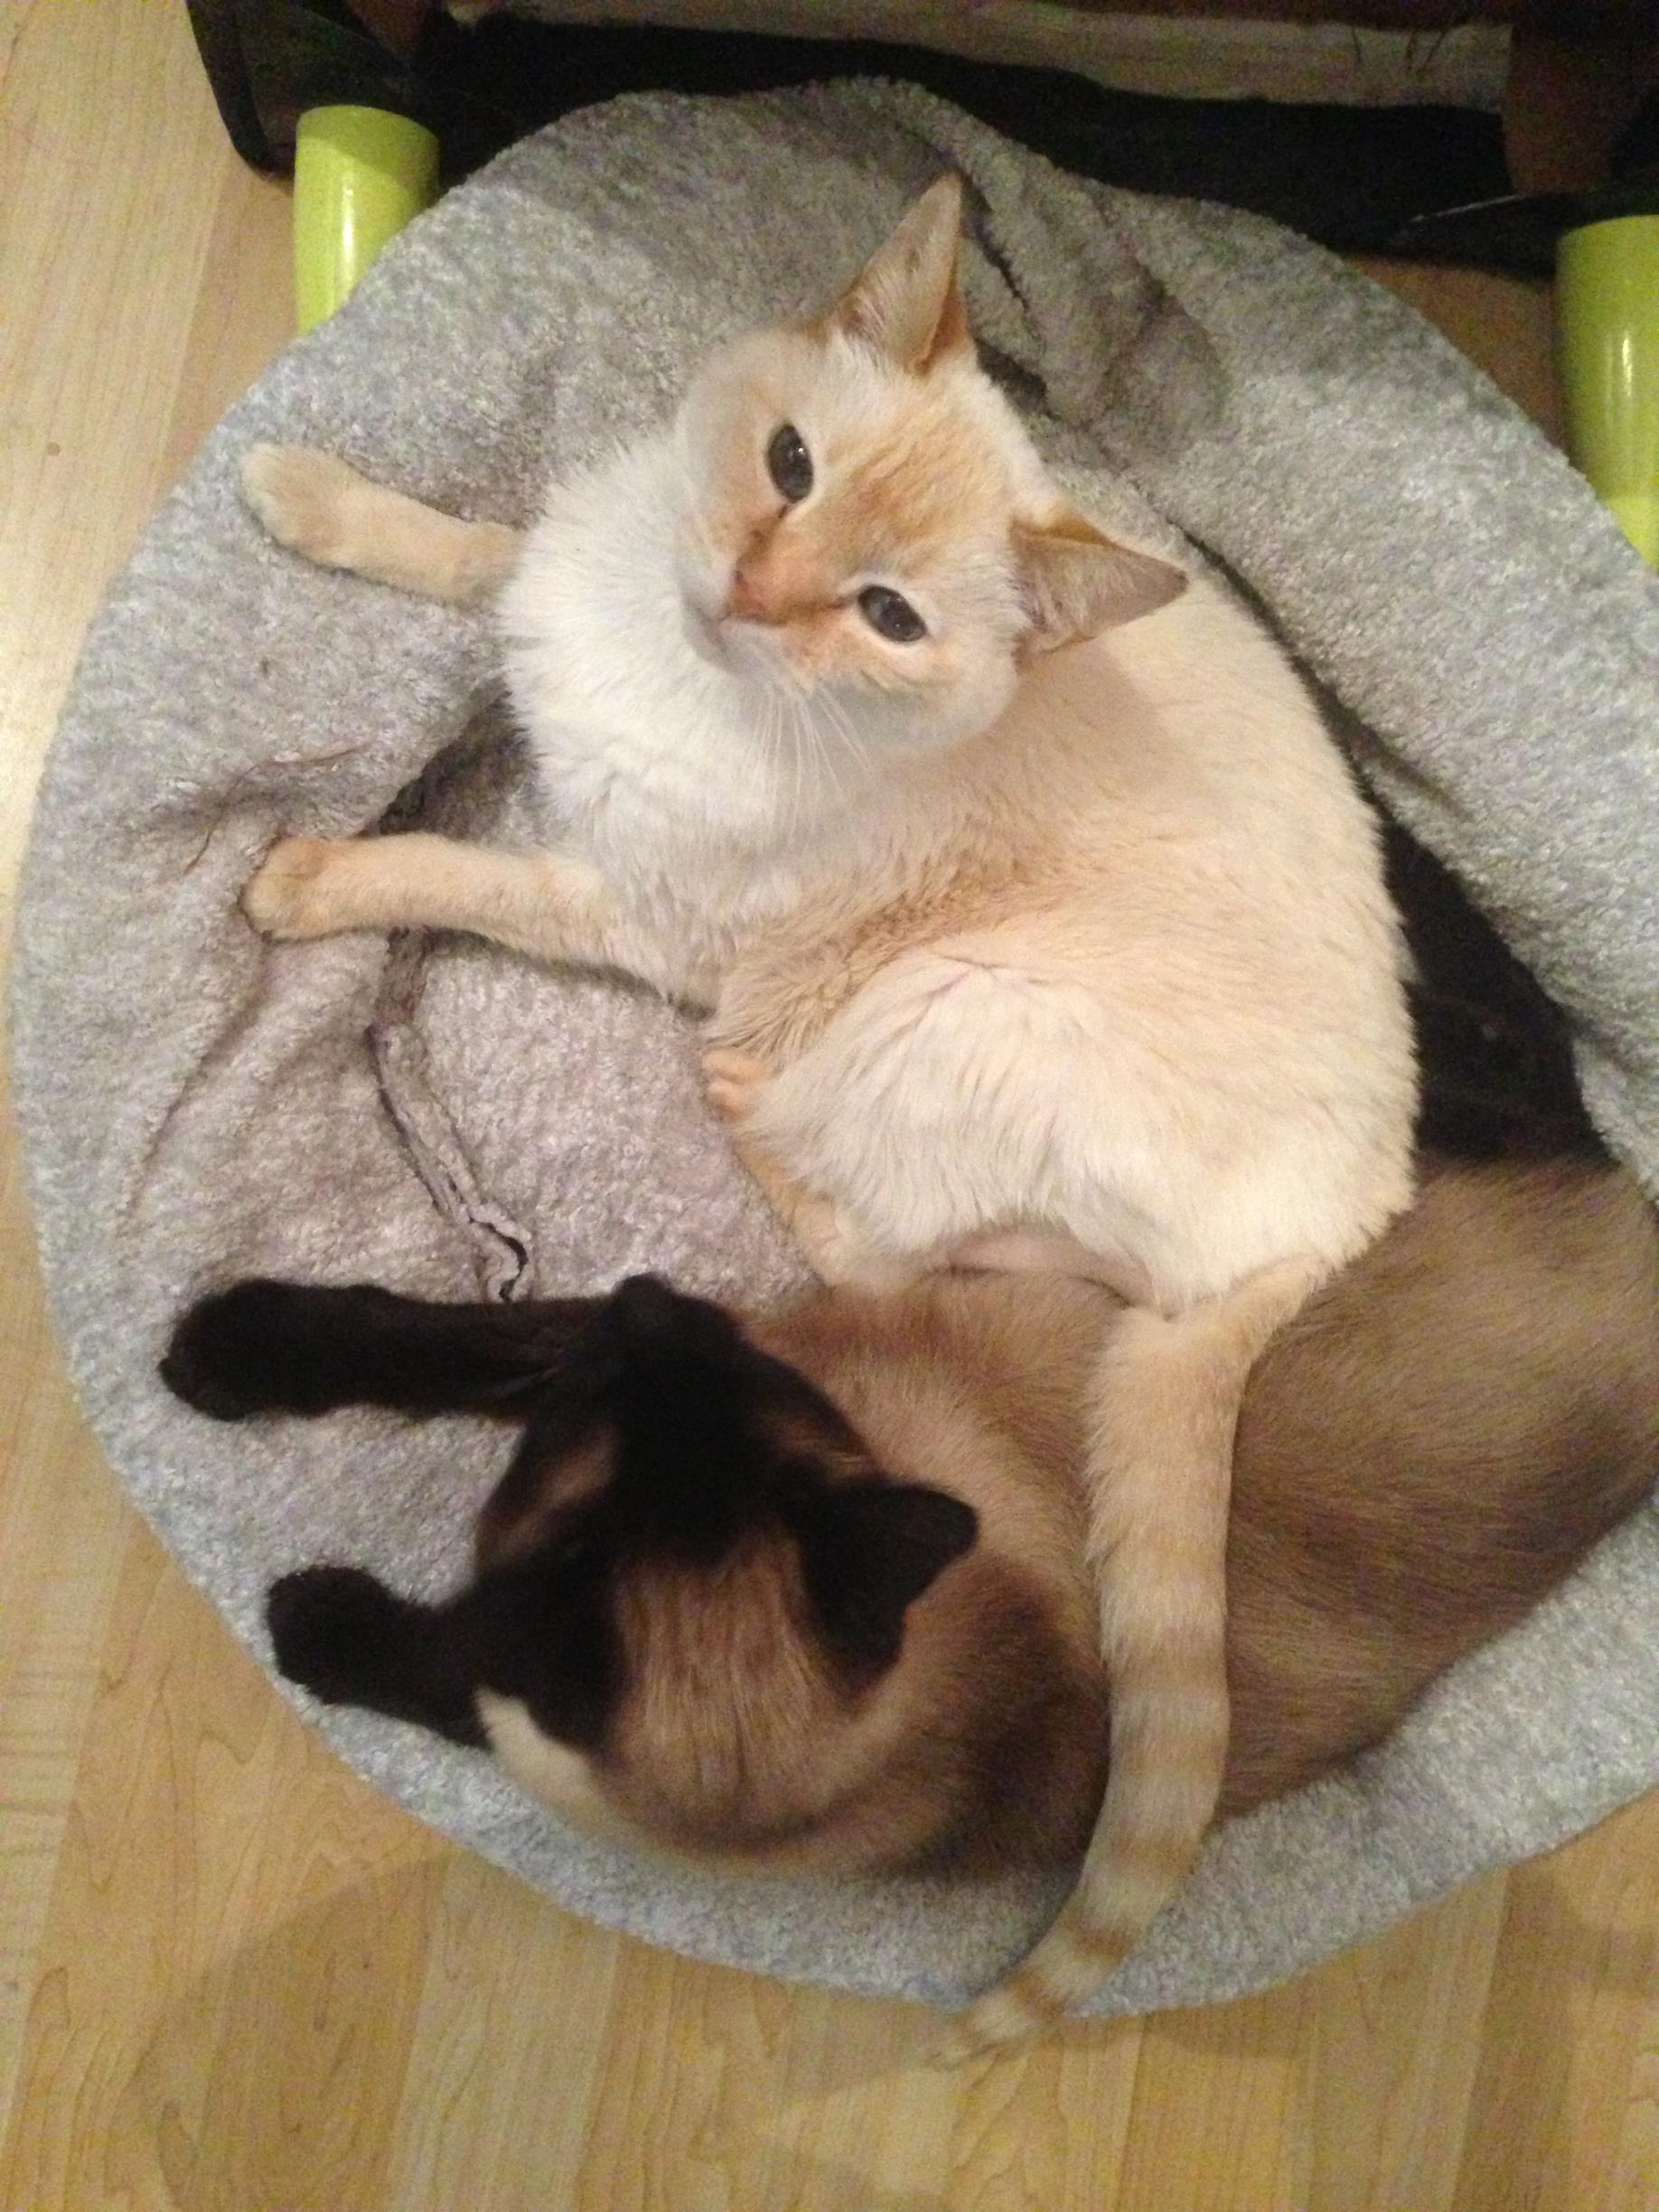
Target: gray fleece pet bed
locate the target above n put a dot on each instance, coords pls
(198, 1103)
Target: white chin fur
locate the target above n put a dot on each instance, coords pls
(750, 653)
(704, 634)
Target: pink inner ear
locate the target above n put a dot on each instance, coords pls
(1079, 583)
(905, 302)
(951, 332)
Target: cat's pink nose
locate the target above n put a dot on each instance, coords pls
(748, 601)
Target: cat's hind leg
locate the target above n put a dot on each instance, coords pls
(318, 505)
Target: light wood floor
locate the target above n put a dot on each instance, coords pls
(232, 1980)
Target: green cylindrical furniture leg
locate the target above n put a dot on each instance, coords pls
(360, 174)
(1606, 281)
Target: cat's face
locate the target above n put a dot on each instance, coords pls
(693, 1586)
(866, 529)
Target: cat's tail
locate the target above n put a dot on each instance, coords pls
(1166, 1400)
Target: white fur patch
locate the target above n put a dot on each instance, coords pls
(558, 1776)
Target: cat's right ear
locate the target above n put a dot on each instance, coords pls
(869, 1549)
(905, 302)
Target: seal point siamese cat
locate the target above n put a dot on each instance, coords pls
(806, 1590)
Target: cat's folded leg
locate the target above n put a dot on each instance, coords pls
(542, 904)
(318, 505)
(835, 1248)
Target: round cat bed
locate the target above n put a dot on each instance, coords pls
(198, 1103)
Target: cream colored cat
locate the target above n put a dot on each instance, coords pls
(1035, 917)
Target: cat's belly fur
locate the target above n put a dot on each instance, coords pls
(1195, 1081)
(952, 1095)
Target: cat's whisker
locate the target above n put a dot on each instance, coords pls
(807, 735)
(847, 731)
(784, 709)
(834, 756)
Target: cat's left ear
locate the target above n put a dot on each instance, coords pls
(906, 302)
(1077, 582)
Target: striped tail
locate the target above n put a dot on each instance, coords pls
(1168, 1394)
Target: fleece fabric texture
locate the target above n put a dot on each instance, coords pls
(434, 1114)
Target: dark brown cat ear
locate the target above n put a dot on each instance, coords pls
(648, 1314)
(868, 1551)
(1077, 582)
(906, 301)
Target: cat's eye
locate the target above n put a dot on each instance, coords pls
(789, 464)
(891, 616)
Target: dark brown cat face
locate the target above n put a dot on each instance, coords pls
(691, 1580)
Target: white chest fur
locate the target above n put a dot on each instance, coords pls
(700, 798)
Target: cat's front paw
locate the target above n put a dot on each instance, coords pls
(332, 1630)
(304, 499)
(259, 1347)
(733, 1083)
(286, 897)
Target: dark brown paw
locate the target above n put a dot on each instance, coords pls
(334, 1630)
(348, 1639)
(240, 1351)
(269, 1347)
